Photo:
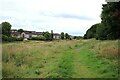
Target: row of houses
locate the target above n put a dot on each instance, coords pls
(29, 34)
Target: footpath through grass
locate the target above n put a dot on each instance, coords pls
(60, 59)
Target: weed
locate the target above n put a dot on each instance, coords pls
(40, 66)
(76, 45)
(37, 71)
(70, 47)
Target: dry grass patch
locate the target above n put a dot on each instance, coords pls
(109, 53)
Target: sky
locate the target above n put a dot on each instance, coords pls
(74, 17)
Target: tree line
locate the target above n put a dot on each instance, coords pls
(5, 33)
(5, 28)
(109, 28)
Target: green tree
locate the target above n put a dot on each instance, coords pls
(75, 37)
(6, 28)
(47, 35)
(91, 32)
(85, 36)
(101, 32)
(62, 35)
(67, 36)
(111, 19)
(109, 28)
(52, 34)
(20, 30)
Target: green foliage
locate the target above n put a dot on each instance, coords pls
(67, 36)
(8, 39)
(52, 34)
(101, 32)
(109, 28)
(4, 38)
(6, 27)
(77, 37)
(37, 71)
(19, 39)
(6, 33)
(62, 35)
(111, 19)
(85, 36)
(37, 38)
(91, 33)
(20, 30)
(47, 35)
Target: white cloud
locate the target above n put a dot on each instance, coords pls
(71, 16)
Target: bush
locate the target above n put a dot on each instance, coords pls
(19, 39)
(37, 38)
(47, 36)
(13, 38)
(78, 37)
(4, 38)
(10, 39)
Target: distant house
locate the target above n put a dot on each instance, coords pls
(29, 34)
(71, 37)
(25, 34)
(56, 36)
(15, 33)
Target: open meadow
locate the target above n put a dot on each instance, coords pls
(60, 59)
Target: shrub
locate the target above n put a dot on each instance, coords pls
(9, 39)
(37, 38)
(19, 39)
(4, 38)
(13, 38)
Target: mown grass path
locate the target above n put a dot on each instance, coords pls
(82, 70)
(71, 64)
(65, 65)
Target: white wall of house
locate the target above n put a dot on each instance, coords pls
(27, 36)
(56, 37)
(18, 36)
(34, 35)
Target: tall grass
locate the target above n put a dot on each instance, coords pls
(39, 59)
(106, 53)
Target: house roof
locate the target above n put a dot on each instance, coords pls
(13, 29)
(15, 33)
(56, 34)
(33, 32)
(39, 33)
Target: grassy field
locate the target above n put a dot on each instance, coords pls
(60, 59)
